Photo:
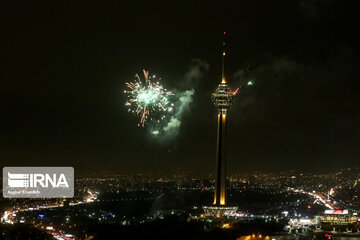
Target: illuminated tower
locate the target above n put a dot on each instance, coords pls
(222, 98)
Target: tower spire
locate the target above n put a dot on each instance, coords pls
(223, 80)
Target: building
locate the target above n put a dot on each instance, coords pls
(222, 98)
(337, 219)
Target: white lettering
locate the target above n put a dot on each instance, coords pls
(39, 178)
(62, 181)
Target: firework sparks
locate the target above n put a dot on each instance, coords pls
(236, 91)
(149, 100)
(250, 83)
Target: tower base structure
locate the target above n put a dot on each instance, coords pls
(219, 211)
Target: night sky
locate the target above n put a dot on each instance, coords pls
(64, 65)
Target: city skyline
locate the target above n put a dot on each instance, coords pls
(65, 69)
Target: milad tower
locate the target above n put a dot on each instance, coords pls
(222, 98)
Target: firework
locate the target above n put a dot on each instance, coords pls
(148, 99)
(250, 83)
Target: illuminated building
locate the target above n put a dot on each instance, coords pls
(337, 218)
(222, 98)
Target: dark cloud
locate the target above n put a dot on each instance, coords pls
(314, 8)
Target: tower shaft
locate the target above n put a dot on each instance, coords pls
(220, 185)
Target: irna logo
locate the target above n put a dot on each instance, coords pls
(34, 180)
(38, 182)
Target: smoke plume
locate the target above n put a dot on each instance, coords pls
(185, 98)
